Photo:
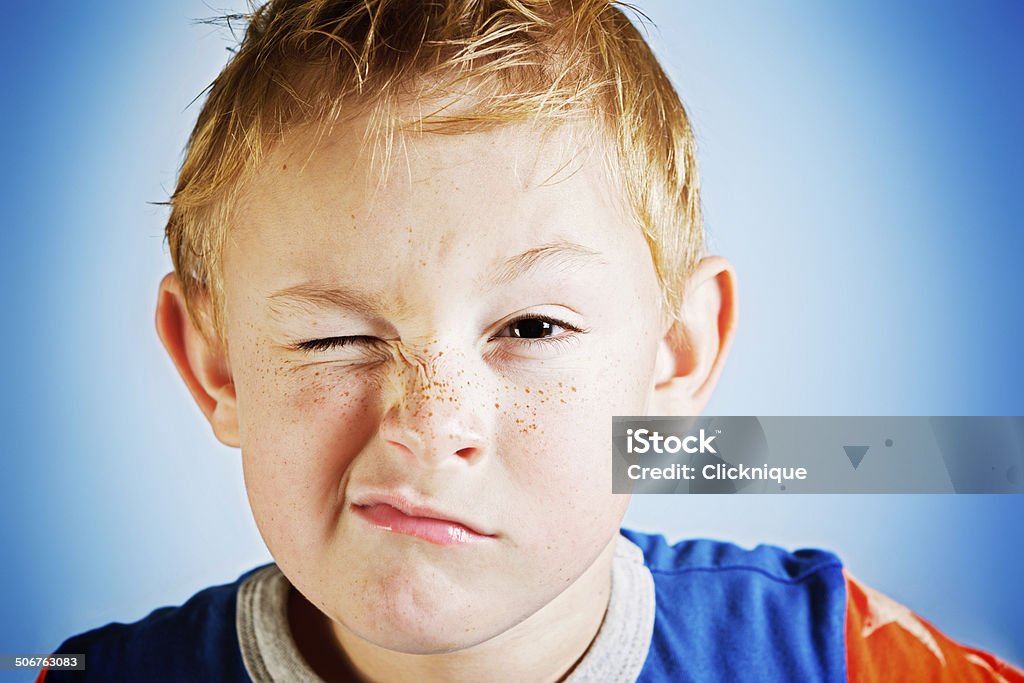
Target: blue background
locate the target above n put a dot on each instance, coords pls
(862, 168)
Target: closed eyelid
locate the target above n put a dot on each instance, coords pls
(325, 343)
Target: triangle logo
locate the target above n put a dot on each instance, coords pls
(855, 454)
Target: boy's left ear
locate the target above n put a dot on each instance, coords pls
(693, 351)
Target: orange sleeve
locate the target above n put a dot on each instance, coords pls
(886, 641)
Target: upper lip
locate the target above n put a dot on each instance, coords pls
(415, 509)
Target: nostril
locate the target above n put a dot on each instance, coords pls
(465, 452)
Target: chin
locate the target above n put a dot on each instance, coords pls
(411, 597)
(402, 623)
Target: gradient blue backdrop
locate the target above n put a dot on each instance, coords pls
(862, 167)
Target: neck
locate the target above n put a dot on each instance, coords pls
(546, 646)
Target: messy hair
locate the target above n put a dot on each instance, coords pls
(315, 62)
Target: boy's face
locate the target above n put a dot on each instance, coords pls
(450, 344)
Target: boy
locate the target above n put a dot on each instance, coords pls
(423, 252)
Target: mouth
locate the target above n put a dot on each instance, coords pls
(398, 516)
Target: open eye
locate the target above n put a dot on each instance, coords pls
(532, 328)
(536, 328)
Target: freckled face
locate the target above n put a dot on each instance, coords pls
(449, 344)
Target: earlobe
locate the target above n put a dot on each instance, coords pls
(201, 362)
(692, 353)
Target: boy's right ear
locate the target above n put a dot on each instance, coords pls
(202, 364)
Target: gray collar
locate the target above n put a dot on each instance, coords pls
(616, 656)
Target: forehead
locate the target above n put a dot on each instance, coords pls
(346, 205)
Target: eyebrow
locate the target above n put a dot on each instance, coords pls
(561, 255)
(317, 295)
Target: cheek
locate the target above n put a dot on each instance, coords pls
(555, 445)
(301, 429)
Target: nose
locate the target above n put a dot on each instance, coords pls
(438, 414)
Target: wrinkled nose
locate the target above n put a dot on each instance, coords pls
(438, 413)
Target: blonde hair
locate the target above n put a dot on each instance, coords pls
(323, 61)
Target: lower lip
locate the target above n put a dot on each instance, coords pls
(439, 531)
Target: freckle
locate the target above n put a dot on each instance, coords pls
(527, 389)
(284, 167)
(574, 388)
(497, 405)
(562, 400)
(540, 391)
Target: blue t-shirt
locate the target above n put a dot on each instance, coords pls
(725, 613)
